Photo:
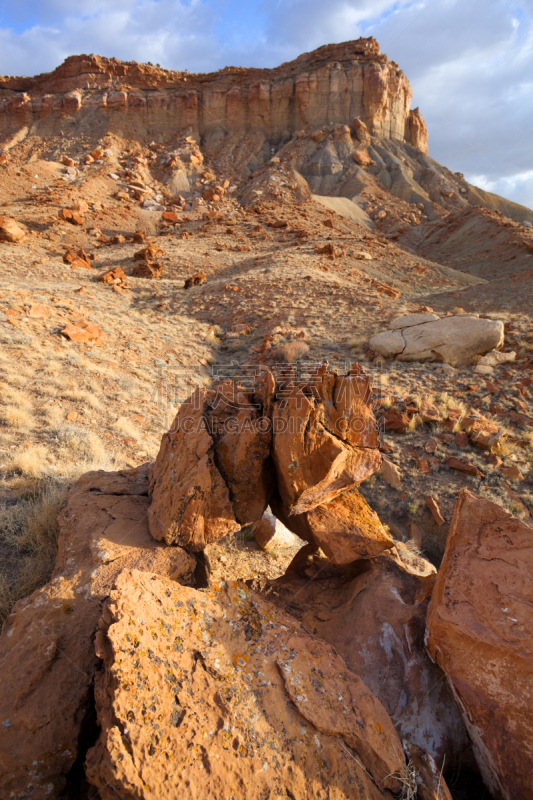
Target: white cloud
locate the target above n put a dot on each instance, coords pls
(470, 63)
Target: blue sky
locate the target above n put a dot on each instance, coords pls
(470, 62)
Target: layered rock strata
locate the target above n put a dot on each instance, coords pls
(332, 84)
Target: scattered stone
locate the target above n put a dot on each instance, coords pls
(10, 230)
(82, 332)
(79, 260)
(393, 420)
(390, 473)
(148, 269)
(73, 217)
(462, 465)
(461, 440)
(435, 510)
(38, 311)
(195, 280)
(513, 473)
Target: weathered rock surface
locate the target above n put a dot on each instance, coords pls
(373, 612)
(10, 230)
(454, 339)
(47, 660)
(213, 472)
(306, 91)
(233, 698)
(479, 632)
(346, 529)
(325, 438)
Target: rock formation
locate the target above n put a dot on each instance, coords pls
(298, 444)
(47, 661)
(333, 84)
(233, 697)
(479, 632)
(425, 337)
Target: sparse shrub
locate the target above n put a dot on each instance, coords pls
(31, 461)
(16, 417)
(291, 352)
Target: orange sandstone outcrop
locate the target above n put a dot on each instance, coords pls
(233, 698)
(479, 632)
(47, 660)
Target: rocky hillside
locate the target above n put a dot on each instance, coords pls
(284, 236)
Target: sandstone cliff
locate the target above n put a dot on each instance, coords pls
(331, 85)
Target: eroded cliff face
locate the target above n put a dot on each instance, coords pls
(333, 84)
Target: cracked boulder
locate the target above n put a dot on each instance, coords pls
(325, 437)
(47, 661)
(346, 528)
(479, 632)
(373, 612)
(452, 340)
(213, 472)
(217, 694)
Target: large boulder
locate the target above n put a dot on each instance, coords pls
(47, 661)
(453, 340)
(219, 694)
(213, 472)
(479, 632)
(373, 612)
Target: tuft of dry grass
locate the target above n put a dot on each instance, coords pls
(128, 428)
(414, 423)
(291, 352)
(16, 417)
(31, 461)
(28, 537)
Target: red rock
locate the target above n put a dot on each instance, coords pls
(10, 230)
(390, 473)
(393, 420)
(494, 460)
(473, 423)
(38, 311)
(346, 529)
(321, 447)
(232, 667)
(513, 473)
(71, 216)
(47, 658)
(431, 446)
(148, 269)
(461, 440)
(478, 631)
(71, 416)
(77, 260)
(169, 216)
(80, 206)
(195, 280)
(435, 510)
(361, 157)
(462, 465)
(429, 413)
(213, 472)
(83, 332)
(485, 440)
(115, 276)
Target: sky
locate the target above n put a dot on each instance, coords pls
(469, 62)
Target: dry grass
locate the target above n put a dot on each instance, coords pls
(291, 352)
(31, 461)
(81, 396)
(16, 417)
(128, 428)
(414, 423)
(28, 533)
